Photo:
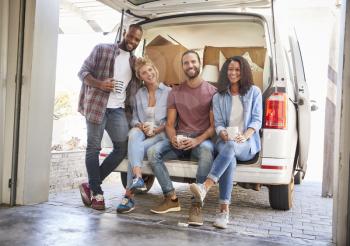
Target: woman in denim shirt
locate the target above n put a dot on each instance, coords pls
(148, 122)
(237, 116)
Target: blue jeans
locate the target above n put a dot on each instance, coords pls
(163, 150)
(116, 125)
(137, 147)
(224, 166)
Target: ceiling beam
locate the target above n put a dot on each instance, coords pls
(68, 6)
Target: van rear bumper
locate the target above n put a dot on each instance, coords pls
(252, 173)
(269, 171)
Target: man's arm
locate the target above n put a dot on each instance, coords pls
(87, 70)
(170, 126)
(194, 142)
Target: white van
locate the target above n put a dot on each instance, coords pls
(218, 30)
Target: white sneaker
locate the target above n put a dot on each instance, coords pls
(221, 220)
(199, 192)
(99, 198)
(98, 202)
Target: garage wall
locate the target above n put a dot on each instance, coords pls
(39, 68)
(9, 44)
(341, 208)
(39, 72)
(3, 64)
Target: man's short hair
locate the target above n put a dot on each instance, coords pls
(191, 52)
(136, 26)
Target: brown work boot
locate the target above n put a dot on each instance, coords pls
(195, 217)
(168, 205)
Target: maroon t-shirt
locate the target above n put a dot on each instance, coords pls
(193, 106)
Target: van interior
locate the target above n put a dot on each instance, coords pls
(214, 39)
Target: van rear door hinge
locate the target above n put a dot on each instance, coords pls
(10, 183)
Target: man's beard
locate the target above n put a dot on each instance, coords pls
(123, 46)
(195, 75)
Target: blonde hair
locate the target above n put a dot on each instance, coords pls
(142, 61)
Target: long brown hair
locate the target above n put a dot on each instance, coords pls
(246, 80)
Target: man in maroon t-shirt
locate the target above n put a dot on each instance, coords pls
(190, 125)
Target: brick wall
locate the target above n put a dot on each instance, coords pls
(68, 170)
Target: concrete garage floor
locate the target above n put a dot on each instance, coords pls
(65, 221)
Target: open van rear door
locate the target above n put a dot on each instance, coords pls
(303, 102)
(141, 10)
(156, 8)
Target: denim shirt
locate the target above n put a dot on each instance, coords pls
(252, 114)
(141, 104)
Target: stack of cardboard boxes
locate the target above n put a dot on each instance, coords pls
(166, 55)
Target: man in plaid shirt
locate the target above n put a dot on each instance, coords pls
(108, 87)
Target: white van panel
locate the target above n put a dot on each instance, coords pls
(276, 143)
(176, 168)
(255, 174)
(244, 173)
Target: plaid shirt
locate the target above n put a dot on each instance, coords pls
(100, 64)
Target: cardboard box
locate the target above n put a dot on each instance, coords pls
(258, 79)
(211, 56)
(167, 58)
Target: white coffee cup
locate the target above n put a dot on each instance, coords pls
(232, 132)
(150, 125)
(117, 86)
(179, 139)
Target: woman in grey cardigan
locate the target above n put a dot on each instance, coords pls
(148, 122)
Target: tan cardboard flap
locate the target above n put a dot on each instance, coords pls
(167, 58)
(211, 54)
(258, 79)
(159, 40)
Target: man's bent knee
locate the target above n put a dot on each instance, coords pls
(206, 146)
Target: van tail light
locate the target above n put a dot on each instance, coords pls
(273, 167)
(276, 111)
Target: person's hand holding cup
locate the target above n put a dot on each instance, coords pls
(179, 139)
(148, 128)
(232, 132)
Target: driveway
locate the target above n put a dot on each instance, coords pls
(65, 221)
